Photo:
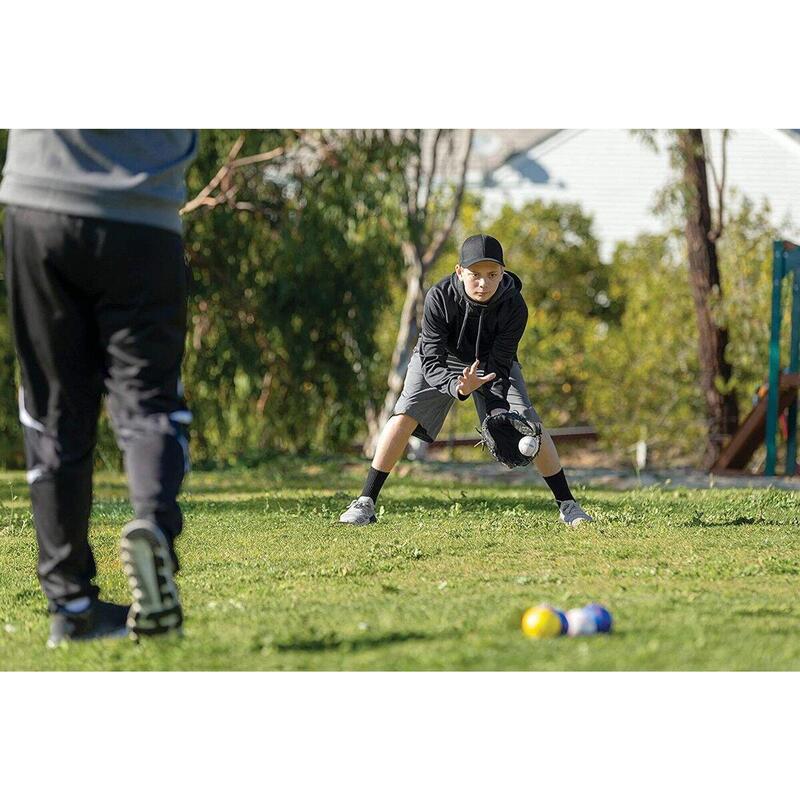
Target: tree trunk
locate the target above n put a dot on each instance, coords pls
(410, 320)
(722, 408)
(427, 235)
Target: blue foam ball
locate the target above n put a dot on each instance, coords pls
(602, 617)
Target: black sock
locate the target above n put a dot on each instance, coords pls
(559, 487)
(374, 483)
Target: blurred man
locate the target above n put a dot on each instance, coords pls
(97, 293)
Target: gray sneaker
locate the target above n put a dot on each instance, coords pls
(571, 513)
(360, 512)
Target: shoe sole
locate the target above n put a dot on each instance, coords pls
(353, 522)
(146, 560)
(575, 523)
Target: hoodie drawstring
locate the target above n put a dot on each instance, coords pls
(478, 338)
(464, 327)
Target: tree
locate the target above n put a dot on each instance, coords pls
(10, 434)
(291, 240)
(701, 241)
(643, 370)
(552, 248)
(702, 230)
(432, 190)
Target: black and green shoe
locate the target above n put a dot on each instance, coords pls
(100, 620)
(148, 564)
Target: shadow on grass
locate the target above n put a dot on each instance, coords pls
(698, 522)
(465, 505)
(333, 642)
(257, 485)
(335, 504)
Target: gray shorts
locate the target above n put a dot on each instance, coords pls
(429, 406)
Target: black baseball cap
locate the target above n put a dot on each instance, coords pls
(481, 248)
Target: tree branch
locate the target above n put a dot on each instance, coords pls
(413, 189)
(431, 174)
(257, 158)
(719, 183)
(440, 238)
(204, 193)
(232, 163)
(721, 196)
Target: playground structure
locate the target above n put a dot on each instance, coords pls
(780, 393)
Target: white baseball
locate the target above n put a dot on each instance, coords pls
(580, 622)
(528, 445)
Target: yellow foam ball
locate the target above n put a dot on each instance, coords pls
(541, 622)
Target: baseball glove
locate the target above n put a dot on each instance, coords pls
(500, 434)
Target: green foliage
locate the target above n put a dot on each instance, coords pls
(553, 250)
(289, 280)
(297, 289)
(745, 254)
(643, 370)
(287, 296)
(10, 435)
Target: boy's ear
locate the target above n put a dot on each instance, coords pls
(458, 270)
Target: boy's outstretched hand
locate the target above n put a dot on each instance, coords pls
(469, 380)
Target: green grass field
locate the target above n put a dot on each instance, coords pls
(697, 580)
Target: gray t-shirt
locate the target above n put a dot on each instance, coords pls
(135, 176)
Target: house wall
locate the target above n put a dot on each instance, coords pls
(616, 177)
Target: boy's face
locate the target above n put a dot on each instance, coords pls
(480, 280)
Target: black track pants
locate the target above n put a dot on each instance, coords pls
(96, 307)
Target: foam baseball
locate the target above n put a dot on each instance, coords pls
(529, 445)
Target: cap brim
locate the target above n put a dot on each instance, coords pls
(479, 260)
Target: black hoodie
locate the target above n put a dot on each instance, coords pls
(456, 330)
